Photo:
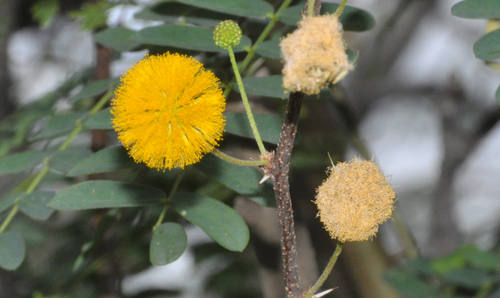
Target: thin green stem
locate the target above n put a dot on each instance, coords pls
(244, 97)
(310, 8)
(237, 161)
(263, 35)
(326, 272)
(340, 9)
(9, 218)
(40, 175)
(167, 204)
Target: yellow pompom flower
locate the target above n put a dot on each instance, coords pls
(354, 200)
(168, 111)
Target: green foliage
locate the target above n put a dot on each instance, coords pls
(44, 11)
(35, 206)
(18, 162)
(183, 37)
(93, 15)
(13, 250)
(477, 9)
(168, 243)
(352, 19)
(106, 194)
(486, 48)
(113, 202)
(219, 221)
(248, 9)
(269, 126)
(105, 160)
(468, 272)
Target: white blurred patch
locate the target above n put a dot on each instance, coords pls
(182, 275)
(477, 190)
(41, 59)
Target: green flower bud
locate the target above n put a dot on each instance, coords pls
(227, 34)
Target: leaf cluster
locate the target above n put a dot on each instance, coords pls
(113, 206)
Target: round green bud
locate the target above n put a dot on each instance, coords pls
(227, 34)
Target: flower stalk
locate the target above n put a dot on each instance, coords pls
(237, 161)
(244, 97)
(326, 272)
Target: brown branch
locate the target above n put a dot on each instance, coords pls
(278, 171)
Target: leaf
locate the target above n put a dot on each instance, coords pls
(105, 160)
(35, 204)
(100, 120)
(218, 220)
(8, 201)
(12, 250)
(94, 89)
(487, 48)
(269, 126)
(117, 39)
(92, 15)
(64, 160)
(106, 194)
(168, 243)
(497, 95)
(269, 49)
(170, 12)
(477, 9)
(449, 263)
(480, 259)
(19, 162)
(352, 18)
(59, 125)
(469, 278)
(242, 8)
(44, 11)
(271, 86)
(184, 37)
(243, 180)
(408, 285)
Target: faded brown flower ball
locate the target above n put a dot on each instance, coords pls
(314, 55)
(354, 200)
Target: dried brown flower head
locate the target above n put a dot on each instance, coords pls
(354, 200)
(314, 55)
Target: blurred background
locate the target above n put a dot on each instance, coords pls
(418, 103)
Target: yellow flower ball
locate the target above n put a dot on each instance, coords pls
(354, 200)
(168, 111)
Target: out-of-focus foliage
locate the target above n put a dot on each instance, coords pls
(486, 48)
(468, 272)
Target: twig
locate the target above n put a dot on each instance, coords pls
(278, 171)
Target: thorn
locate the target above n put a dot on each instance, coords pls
(264, 179)
(323, 293)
